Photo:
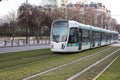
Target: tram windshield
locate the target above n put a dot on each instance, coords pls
(59, 31)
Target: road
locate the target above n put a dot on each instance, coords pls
(22, 48)
(25, 48)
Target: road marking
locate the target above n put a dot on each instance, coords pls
(29, 77)
(78, 74)
(105, 68)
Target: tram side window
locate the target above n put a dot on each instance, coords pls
(73, 35)
(103, 36)
(107, 36)
(85, 36)
(110, 36)
(114, 36)
(97, 36)
(117, 36)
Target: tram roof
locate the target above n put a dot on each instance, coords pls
(80, 25)
(88, 27)
(95, 28)
(115, 32)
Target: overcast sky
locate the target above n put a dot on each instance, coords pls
(12, 5)
(7, 6)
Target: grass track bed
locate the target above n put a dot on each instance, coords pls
(39, 65)
(69, 70)
(113, 71)
(22, 58)
(23, 54)
(94, 71)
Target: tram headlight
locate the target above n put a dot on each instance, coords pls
(63, 46)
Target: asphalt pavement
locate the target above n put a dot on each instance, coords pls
(33, 47)
(23, 48)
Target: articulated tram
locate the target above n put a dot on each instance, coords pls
(71, 36)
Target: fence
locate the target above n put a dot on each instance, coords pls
(22, 42)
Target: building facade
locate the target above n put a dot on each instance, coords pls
(57, 3)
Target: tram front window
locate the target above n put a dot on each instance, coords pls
(59, 31)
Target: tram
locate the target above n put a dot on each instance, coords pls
(71, 36)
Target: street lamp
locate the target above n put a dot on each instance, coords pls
(27, 22)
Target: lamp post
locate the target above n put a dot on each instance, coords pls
(27, 22)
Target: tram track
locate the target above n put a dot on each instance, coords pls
(58, 67)
(89, 67)
(46, 64)
(26, 63)
(106, 68)
(93, 72)
(62, 71)
(36, 58)
(21, 56)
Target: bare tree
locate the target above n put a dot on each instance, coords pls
(89, 16)
(24, 18)
(118, 28)
(12, 18)
(38, 18)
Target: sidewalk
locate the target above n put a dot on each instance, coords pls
(23, 48)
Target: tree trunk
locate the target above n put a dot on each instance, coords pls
(37, 35)
(13, 33)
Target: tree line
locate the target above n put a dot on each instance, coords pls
(36, 20)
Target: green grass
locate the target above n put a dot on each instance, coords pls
(23, 54)
(71, 69)
(15, 66)
(113, 72)
(94, 71)
(14, 59)
(17, 60)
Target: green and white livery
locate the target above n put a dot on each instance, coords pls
(71, 36)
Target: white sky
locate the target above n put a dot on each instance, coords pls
(7, 6)
(12, 5)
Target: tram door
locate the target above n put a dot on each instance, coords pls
(80, 38)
